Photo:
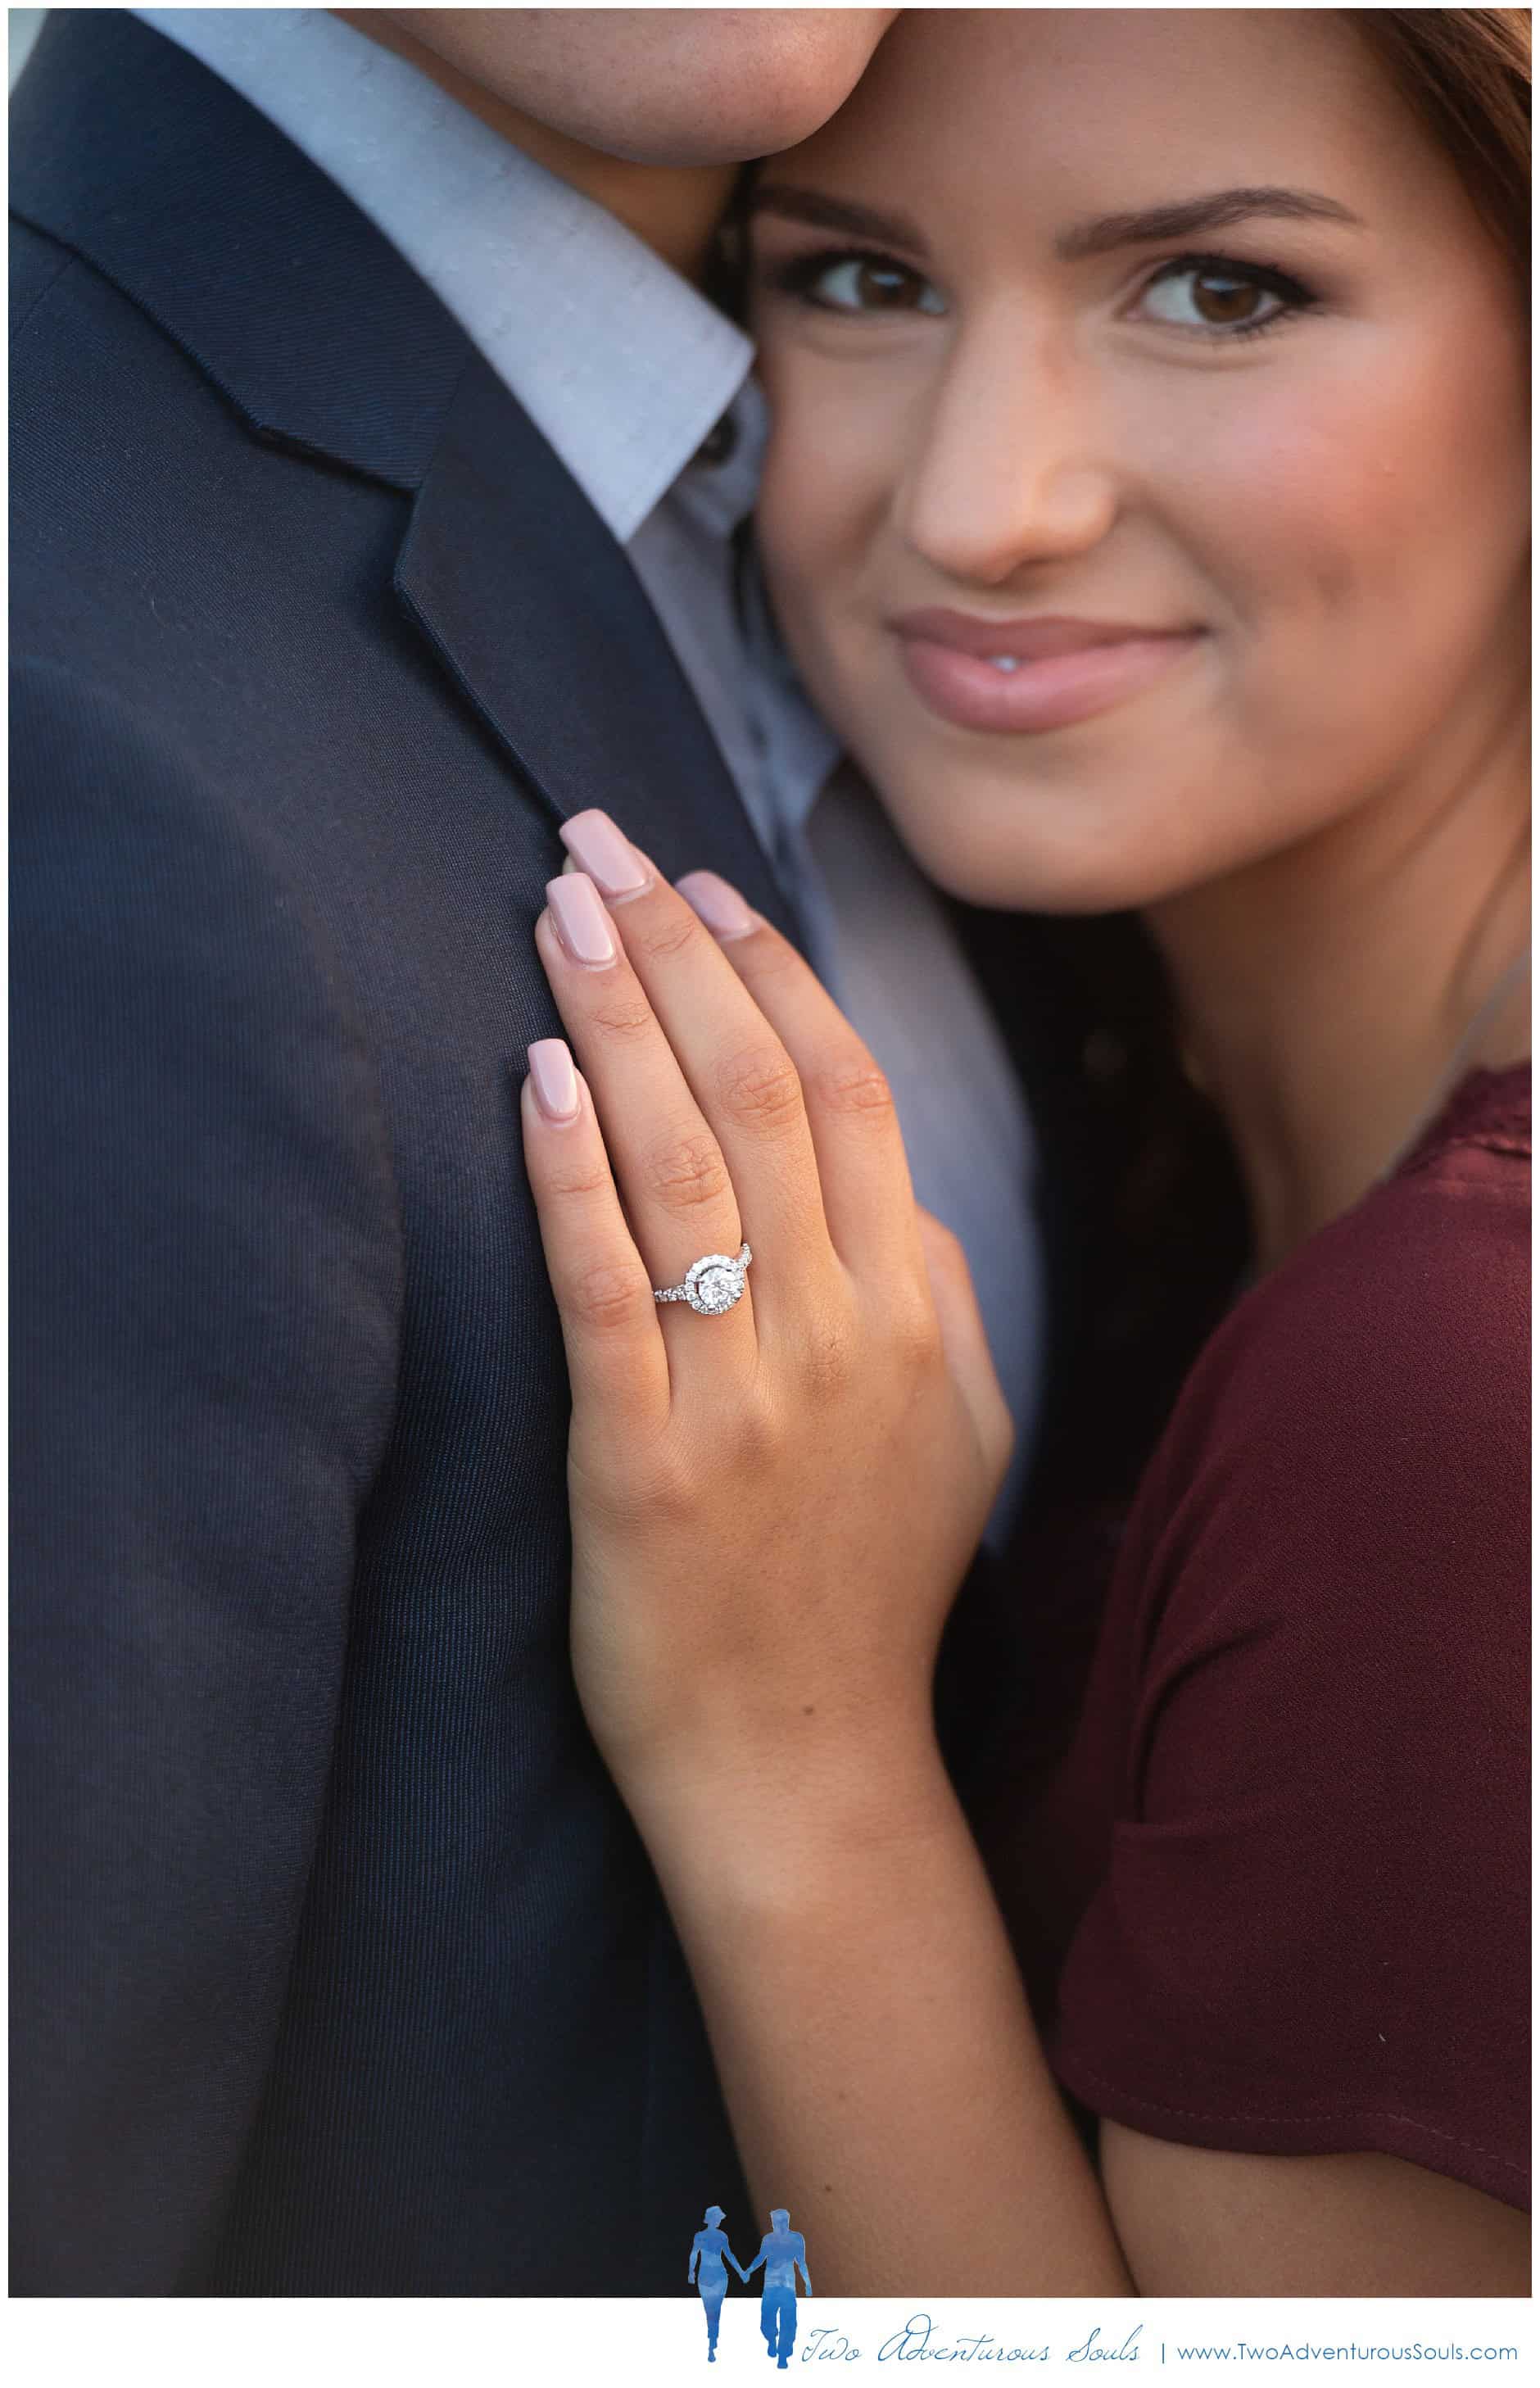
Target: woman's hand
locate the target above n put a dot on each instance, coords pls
(771, 1508)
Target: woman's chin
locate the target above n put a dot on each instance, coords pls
(1017, 868)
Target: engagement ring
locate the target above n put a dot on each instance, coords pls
(712, 1286)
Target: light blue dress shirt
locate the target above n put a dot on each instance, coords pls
(625, 368)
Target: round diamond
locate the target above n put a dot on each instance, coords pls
(714, 1284)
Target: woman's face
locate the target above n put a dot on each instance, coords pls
(1284, 439)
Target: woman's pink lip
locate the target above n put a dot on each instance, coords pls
(975, 694)
(1029, 636)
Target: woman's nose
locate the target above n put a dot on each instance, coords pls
(1009, 470)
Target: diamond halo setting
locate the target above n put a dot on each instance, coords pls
(710, 1285)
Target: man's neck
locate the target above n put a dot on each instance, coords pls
(674, 210)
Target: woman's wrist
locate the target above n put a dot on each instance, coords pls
(776, 1823)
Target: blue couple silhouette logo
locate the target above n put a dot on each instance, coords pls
(783, 2253)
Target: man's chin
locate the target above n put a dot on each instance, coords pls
(667, 87)
(764, 128)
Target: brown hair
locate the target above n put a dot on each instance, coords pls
(1467, 73)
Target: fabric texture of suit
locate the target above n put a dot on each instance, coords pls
(338, 1967)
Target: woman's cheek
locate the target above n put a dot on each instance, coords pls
(821, 508)
(1382, 509)
(819, 471)
(785, 514)
(1321, 490)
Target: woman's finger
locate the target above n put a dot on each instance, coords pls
(736, 1066)
(615, 1349)
(667, 1165)
(867, 1199)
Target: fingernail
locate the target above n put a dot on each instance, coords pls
(720, 906)
(554, 1078)
(582, 921)
(610, 860)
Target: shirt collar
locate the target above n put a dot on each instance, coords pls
(797, 749)
(616, 359)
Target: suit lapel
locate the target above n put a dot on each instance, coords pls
(262, 271)
(315, 329)
(523, 593)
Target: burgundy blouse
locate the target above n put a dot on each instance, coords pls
(1274, 1896)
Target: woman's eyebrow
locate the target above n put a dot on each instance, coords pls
(1173, 220)
(834, 215)
(1179, 218)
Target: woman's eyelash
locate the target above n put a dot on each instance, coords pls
(800, 277)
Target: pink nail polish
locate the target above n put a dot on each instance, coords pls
(554, 1078)
(720, 906)
(610, 860)
(582, 921)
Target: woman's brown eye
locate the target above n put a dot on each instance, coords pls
(868, 286)
(1221, 301)
(885, 286)
(1207, 298)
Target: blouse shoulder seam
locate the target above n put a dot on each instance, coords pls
(1351, 2114)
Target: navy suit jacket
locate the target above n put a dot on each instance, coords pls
(338, 1968)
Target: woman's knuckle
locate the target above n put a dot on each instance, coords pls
(607, 1295)
(671, 933)
(686, 1170)
(623, 1016)
(913, 1329)
(759, 1088)
(579, 1181)
(852, 1085)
